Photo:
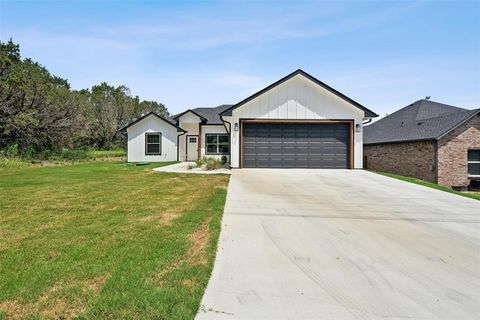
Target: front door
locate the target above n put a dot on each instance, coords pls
(192, 148)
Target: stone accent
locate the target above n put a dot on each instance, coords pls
(452, 153)
(412, 159)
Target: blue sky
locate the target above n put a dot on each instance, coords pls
(384, 54)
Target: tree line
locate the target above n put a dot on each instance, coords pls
(40, 112)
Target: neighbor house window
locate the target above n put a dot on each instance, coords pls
(153, 143)
(474, 162)
(192, 139)
(217, 143)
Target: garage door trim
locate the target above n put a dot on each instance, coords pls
(349, 122)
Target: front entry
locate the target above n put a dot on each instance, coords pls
(192, 148)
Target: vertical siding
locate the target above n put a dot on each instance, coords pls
(298, 98)
(136, 140)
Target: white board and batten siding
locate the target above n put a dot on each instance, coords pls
(297, 99)
(136, 140)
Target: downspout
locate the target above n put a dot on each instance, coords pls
(367, 122)
(178, 144)
(229, 130)
(436, 161)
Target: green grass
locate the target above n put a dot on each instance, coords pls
(468, 194)
(119, 152)
(106, 240)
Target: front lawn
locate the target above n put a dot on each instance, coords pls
(106, 240)
(468, 194)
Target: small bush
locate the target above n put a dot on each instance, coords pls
(12, 151)
(12, 163)
(207, 163)
(224, 159)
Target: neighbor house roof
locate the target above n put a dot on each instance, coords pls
(368, 113)
(421, 120)
(166, 119)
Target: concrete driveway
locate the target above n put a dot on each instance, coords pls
(343, 244)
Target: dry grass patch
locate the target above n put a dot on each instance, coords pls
(200, 238)
(64, 300)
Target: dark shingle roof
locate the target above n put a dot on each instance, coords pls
(212, 114)
(209, 115)
(421, 120)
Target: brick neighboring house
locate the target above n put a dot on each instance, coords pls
(426, 140)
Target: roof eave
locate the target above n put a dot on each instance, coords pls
(368, 113)
(124, 129)
(190, 110)
(474, 113)
(399, 141)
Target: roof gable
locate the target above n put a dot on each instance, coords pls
(167, 120)
(421, 120)
(368, 113)
(178, 116)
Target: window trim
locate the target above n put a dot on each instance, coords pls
(217, 135)
(159, 143)
(473, 162)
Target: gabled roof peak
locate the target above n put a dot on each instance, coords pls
(368, 112)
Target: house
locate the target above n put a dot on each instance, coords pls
(296, 122)
(426, 140)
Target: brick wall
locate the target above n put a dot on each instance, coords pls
(412, 159)
(452, 153)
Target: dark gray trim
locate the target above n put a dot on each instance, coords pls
(146, 115)
(216, 153)
(229, 140)
(189, 110)
(178, 145)
(159, 142)
(368, 113)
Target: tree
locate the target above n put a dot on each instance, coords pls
(112, 108)
(37, 110)
(40, 111)
(153, 106)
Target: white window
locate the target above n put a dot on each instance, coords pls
(153, 143)
(217, 143)
(474, 162)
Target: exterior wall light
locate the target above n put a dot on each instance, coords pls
(358, 127)
(235, 127)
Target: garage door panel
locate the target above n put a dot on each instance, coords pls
(295, 145)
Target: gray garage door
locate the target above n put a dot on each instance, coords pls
(295, 145)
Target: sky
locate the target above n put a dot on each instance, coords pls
(383, 54)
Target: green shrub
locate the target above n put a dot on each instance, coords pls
(12, 151)
(12, 163)
(224, 159)
(208, 163)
